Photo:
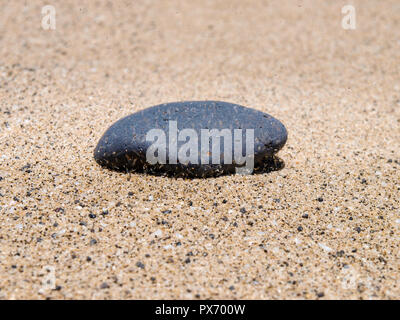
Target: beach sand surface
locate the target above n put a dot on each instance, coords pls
(324, 227)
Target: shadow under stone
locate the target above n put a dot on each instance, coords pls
(270, 164)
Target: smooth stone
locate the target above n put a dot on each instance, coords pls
(123, 146)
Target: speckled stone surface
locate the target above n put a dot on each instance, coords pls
(325, 227)
(123, 146)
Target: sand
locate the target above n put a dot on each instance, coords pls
(324, 227)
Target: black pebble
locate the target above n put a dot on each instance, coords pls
(123, 146)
